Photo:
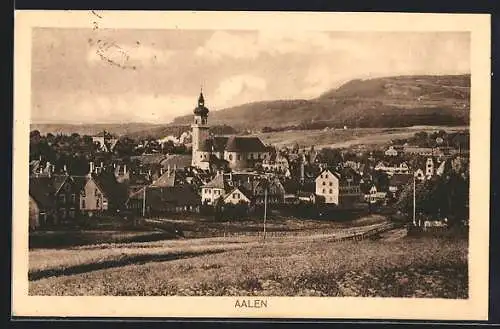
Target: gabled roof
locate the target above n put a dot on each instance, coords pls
(218, 182)
(248, 194)
(58, 182)
(178, 160)
(214, 144)
(108, 185)
(168, 179)
(42, 191)
(245, 144)
(159, 197)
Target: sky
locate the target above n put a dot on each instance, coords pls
(118, 76)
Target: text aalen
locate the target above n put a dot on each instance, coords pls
(250, 303)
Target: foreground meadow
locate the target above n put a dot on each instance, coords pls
(407, 267)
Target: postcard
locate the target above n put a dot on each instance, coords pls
(251, 165)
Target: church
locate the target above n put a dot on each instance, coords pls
(239, 152)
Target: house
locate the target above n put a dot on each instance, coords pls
(101, 193)
(397, 182)
(276, 163)
(374, 196)
(338, 189)
(166, 199)
(275, 192)
(67, 196)
(391, 151)
(419, 175)
(105, 141)
(429, 168)
(306, 197)
(238, 195)
(41, 202)
(169, 178)
(213, 190)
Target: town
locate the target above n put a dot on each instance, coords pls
(76, 180)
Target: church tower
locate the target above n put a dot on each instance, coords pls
(199, 130)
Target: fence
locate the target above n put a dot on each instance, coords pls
(354, 234)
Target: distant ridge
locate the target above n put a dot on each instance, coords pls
(380, 102)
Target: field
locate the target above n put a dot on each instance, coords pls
(346, 138)
(306, 265)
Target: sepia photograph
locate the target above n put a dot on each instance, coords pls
(255, 162)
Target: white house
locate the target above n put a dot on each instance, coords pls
(236, 196)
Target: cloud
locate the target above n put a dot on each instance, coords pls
(244, 45)
(112, 107)
(128, 55)
(238, 88)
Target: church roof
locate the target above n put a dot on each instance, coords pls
(214, 144)
(245, 144)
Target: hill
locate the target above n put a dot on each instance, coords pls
(118, 129)
(381, 102)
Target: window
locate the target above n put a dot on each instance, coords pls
(331, 191)
(98, 203)
(209, 191)
(83, 193)
(324, 183)
(83, 204)
(331, 183)
(72, 213)
(96, 192)
(62, 198)
(230, 157)
(238, 157)
(73, 197)
(195, 121)
(234, 195)
(323, 191)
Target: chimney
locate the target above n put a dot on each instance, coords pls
(161, 171)
(124, 169)
(91, 164)
(168, 170)
(102, 165)
(65, 169)
(114, 165)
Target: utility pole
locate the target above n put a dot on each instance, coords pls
(144, 203)
(414, 201)
(265, 210)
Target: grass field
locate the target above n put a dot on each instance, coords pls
(345, 138)
(302, 266)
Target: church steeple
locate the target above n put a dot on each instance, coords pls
(201, 99)
(201, 110)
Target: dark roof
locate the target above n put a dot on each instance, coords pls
(159, 197)
(245, 144)
(108, 184)
(218, 182)
(178, 160)
(214, 144)
(79, 182)
(42, 191)
(399, 179)
(59, 181)
(168, 179)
